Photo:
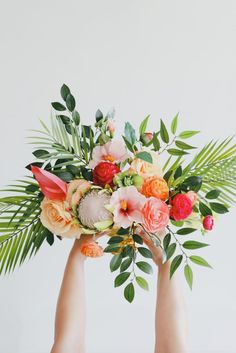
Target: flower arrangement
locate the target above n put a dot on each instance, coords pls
(85, 181)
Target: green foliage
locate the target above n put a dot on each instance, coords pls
(145, 156)
(188, 275)
(129, 292)
(175, 264)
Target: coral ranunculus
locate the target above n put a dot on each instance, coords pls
(76, 190)
(92, 250)
(156, 187)
(155, 215)
(104, 173)
(57, 219)
(181, 207)
(127, 203)
(52, 187)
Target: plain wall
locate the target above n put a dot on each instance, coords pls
(157, 57)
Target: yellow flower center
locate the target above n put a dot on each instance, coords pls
(109, 158)
(123, 205)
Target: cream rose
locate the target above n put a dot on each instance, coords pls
(145, 169)
(57, 219)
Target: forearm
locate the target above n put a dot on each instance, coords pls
(171, 325)
(70, 313)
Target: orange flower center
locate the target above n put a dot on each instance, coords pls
(109, 158)
(123, 205)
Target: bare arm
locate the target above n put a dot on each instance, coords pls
(171, 323)
(70, 313)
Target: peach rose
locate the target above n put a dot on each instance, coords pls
(155, 215)
(76, 190)
(192, 196)
(145, 169)
(156, 187)
(91, 250)
(57, 219)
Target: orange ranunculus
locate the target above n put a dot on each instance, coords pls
(91, 250)
(156, 187)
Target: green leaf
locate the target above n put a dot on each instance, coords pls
(213, 194)
(142, 282)
(145, 252)
(58, 106)
(199, 261)
(98, 115)
(170, 251)
(192, 244)
(145, 267)
(184, 146)
(175, 264)
(115, 240)
(76, 117)
(65, 119)
(130, 133)
(121, 278)
(50, 238)
(126, 264)
(175, 152)
(129, 292)
(188, 275)
(156, 142)
(111, 248)
(70, 102)
(174, 124)
(64, 92)
(138, 239)
(143, 125)
(66, 176)
(164, 133)
(218, 207)
(193, 183)
(204, 209)
(128, 144)
(145, 156)
(185, 231)
(41, 154)
(73, 169)
(178, 172)
(188, 134)
(123, 231)
(115, 262)
(166, 241)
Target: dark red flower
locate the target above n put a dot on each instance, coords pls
(181, 207)
(104, 173)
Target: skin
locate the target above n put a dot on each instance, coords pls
(170, 322)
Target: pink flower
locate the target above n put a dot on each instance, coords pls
(181, 207)
(155, 215)
(113, 151)
(52, 187)
(127, 203)
(192, 196)
(208, 222)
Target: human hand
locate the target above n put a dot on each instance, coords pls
(157, 252)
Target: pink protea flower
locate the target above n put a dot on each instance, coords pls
(155, 215)
(113, 151)
(127, 204)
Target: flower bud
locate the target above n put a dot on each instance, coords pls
(138, 181)
(111, 127)
(208, 222)
(146, 137)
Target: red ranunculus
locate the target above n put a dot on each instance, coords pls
(181, 207)
(104, 173)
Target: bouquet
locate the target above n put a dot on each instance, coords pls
(86, 181)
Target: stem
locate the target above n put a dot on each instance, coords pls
(168, 145)
(179, 244)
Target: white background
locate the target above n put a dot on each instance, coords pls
(156, 57)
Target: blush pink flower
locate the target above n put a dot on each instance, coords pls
(113, 152)
(127, 203)
(155, 215)
(192, 196)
